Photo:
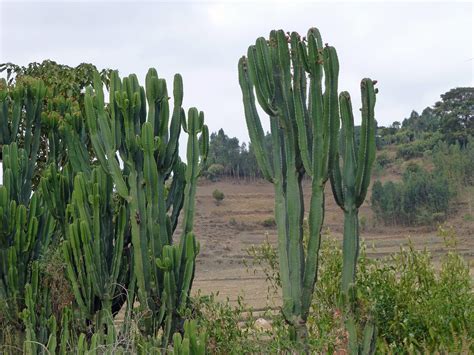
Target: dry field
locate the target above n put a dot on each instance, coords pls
(228, 230)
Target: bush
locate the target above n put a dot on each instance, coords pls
(456, 163)
(418, 147)
(218, 196)
(214, 171)
(228, 332)
(420, 198)
(417, 307)
(269, 222)
(384, 160)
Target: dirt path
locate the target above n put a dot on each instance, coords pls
(228, 230)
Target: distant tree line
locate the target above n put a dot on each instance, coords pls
(450, 120)
(229, 158)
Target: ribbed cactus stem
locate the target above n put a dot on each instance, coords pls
(304, 124)
(349, 190)
(138, 127)
(350, 248)
(350, 187)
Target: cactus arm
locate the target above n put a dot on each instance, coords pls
(255, 62)
(172, 146)
(192, 155)
(315, 69)
(16, 117)
(336, 182)
(331, 104)
(315, 220)
(299, 81)
(190, 255)
(138, 239)
(77, 151)
(175, 197)
(253, 121)
(4, 125)
(203, 146)
(119, 240)
(281, 218)
(102, 142)
(367, 146)
(68, 258)
(349, 157)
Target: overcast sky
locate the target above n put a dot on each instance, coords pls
(416, 51)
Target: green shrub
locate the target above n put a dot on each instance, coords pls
(383, 159)
(417, 307)
(269, 222)
(421, 197)
(227, 330)
(417, 148)
(214, 171)
(218, 196)
(456, 163)
(410, 150)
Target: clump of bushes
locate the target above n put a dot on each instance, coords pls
(218, 196)
(383, 159)
(417, 148)
(421, 197)
(417, 306)
(214, 171)
(456, 163)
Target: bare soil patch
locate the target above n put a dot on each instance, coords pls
(227, 230)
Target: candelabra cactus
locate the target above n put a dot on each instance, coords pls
(193, 342)
(25, 233)
(349, 190)
(304, 125)
(40, 324)
(20, 116)
(97, 262)
(147, 144)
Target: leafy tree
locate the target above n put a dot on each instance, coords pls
(214, 171)
(230, 158)
(456, 114)
(60, 79)
(63, 103)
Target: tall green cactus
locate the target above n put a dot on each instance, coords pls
(25, 233)
(147, 144)
(40, 324)
(349, 190)
(96, 260)
(304, 124)
(20, 122)
(193, 342)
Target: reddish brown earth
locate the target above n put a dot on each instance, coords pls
(228, 230)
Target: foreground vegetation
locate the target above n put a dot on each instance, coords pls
(418, 304)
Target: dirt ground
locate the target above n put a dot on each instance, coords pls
(228, 230)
